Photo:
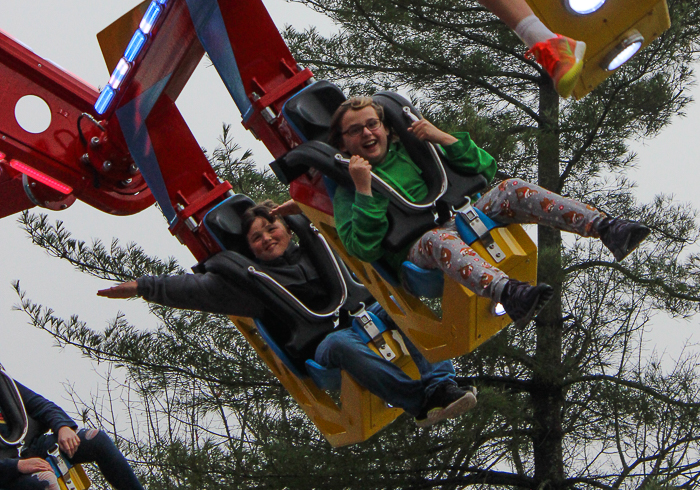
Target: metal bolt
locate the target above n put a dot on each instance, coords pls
(133, 169)
(33, 184)
(95, 141)
(106, 166)
(64, 206)
(85, 159)
(191, 224)
(126, 182)
(269, 115)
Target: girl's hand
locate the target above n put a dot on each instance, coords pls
(424, 130)
(68, 440)
(288, 208)
(361, 173)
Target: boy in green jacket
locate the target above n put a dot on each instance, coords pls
(361, 221)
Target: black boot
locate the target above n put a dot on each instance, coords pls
(621, 236)
(523, 302)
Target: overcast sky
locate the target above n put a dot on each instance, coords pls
(64, 32)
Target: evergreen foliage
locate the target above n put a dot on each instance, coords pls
(573, 401)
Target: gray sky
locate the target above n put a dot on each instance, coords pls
(64, 32)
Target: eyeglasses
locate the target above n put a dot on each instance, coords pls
(371, 124)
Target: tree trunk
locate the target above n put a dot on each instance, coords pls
(547, 394)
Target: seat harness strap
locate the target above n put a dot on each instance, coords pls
(471, 218)
(368, 324)
(62, 467)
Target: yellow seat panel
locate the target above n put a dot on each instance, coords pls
(603, 30)
(359, 415)
(467, 320)
(78, 477)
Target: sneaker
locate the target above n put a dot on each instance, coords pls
(523, 302)
(621, 236)
(562, 58)
(447, 402)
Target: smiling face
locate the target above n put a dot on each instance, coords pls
(370, 145)
(268, 241)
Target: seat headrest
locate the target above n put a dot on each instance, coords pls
(310, 110)
(225, 223)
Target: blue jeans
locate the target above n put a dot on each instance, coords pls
(345, 349)
(95, 446)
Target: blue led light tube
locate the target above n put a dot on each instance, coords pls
(119, 74)
(135, 45)
(150, 17)
(104, 100)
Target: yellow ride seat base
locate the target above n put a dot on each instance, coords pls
(77, 476)
(467, 320)
(603, 30)
(359, 415)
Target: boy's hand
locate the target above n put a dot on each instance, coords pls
(424, 130)
(33, 465)
(120, 291)
(68, 440)
(288, 208)
(361, 173)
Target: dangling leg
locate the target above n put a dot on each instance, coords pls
(560, 56)
(443, 398)
(345, 349)
(517, 201)
(96, 446)
(443, 248)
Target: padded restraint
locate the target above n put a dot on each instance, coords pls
(13, 410)
(224, 222)
(459, 187)
(406, 224)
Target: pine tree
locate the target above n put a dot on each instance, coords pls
(573, 401)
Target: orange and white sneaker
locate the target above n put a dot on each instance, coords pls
(562, 58)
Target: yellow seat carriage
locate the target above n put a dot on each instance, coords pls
(314, 169)
(359, 413)
(138, 130)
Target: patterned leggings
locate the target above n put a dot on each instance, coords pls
(512, 201)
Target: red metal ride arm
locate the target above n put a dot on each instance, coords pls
(81, 156)
(98, 174)
(256, 66)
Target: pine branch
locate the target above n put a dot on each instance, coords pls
(630, 384)
(656, 282)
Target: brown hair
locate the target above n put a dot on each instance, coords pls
(260, 210)
(335, 137)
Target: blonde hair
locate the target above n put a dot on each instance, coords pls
(335, 137)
